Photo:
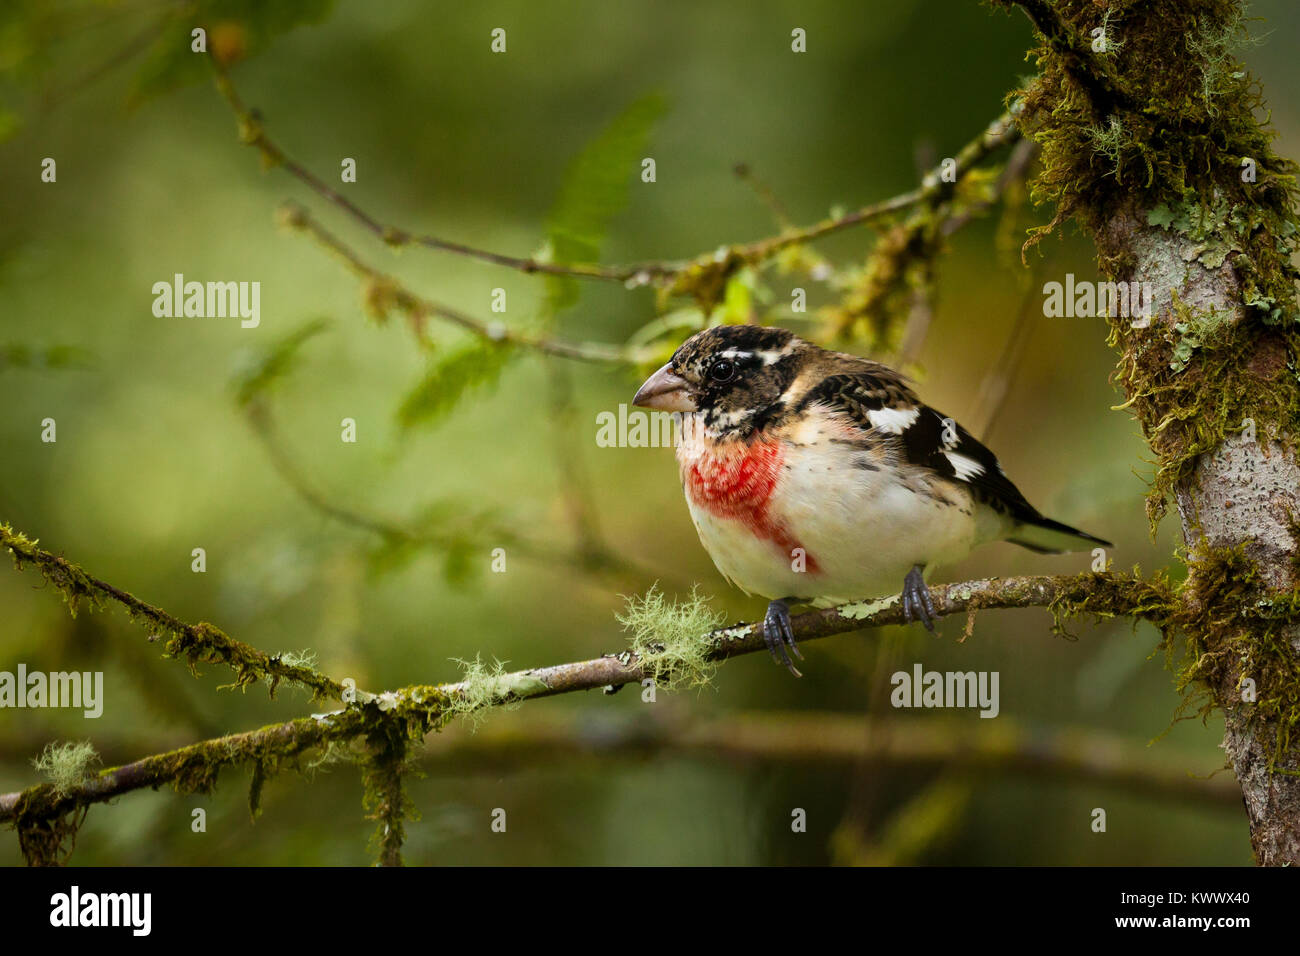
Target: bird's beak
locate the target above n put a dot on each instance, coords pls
(666, 391)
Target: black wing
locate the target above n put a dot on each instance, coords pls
(930, 440)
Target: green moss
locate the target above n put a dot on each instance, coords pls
(671, 639)
(47, 824)
(1236, 631)
(73, 584)
(1194, 382)
(197, 643)
(385, 799)
(1160, 126)
(1218, 628)
(1164, 133)
(878, 297)
(45, 838)
(1110, 594)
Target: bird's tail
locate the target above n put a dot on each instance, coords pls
(1051, 537)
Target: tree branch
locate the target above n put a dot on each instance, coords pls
(422, 708)
(198, 643)
(678, 275)
(384, 292)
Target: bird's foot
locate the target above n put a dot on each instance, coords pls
(917, 604)
(778, 634)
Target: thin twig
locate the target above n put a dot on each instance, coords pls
(996, 384)
(384, 292)
(1000, 132)
(765, 195)
(1014, 172)
(254, 134)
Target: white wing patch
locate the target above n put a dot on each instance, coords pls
(966, 468)
(892, 421)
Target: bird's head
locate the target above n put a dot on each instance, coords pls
(732, 376)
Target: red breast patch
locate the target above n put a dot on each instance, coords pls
(735, 480)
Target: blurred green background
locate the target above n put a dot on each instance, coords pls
(154, 458)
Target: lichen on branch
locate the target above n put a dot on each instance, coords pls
(196, 644)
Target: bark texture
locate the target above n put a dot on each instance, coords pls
(1155, 140)
(1242, 492)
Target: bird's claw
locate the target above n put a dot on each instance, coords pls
(778, 634)
(917, 604)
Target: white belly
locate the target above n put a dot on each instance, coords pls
(861, 531)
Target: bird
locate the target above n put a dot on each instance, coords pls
(818, 477)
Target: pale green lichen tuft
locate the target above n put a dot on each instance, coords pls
(305, 659)
(66, 764)
(672, 638)
(485, 686)
(861, 610)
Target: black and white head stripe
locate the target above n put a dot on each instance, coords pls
(737, 343)
(739, 375)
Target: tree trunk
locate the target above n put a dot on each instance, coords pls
(1152, 139)
(1242, 492)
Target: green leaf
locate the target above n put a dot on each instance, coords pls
(594, 191)
(475, 365)
(263, 371)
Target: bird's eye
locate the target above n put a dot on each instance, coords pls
(722, 371)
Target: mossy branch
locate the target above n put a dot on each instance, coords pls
(413, 711)
(703, 277)
(903, 262)
(672, 644)
(190, 769)
(200, 643)
(1085, 67)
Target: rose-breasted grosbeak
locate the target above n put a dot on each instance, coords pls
(818, 477)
